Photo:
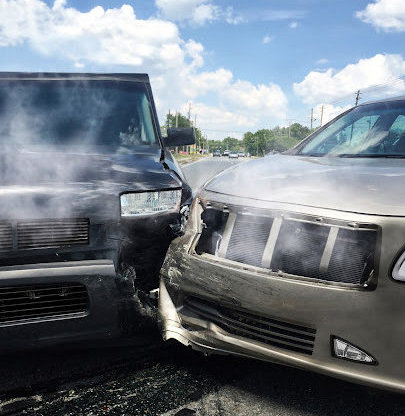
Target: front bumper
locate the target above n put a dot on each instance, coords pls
(101, 318)
(367, 317)
(207, 337)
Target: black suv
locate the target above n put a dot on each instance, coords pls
(89, 201)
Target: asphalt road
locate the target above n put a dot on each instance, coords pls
(143, 376)
(198, 173)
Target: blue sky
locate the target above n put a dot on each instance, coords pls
(242, 65)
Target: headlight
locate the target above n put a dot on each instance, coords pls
(398, 272)
(146, 203)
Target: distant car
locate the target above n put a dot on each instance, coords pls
(233, 155)
(217, 153)
(241, 154)
(226, 153)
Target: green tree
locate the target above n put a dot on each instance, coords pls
(299, 131)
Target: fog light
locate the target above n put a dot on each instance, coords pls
(343, 349)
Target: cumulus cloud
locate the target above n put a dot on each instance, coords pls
(115, 38)
(218, 121)
(257, 99)
(293, 25)
(198, 12)
(388, 15)
(334, 84)
(267, 39)
(99, 36)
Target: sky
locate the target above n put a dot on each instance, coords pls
(241, 65)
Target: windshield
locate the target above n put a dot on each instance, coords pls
(76, 113)
(374, 130)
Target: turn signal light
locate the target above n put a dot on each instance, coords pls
(342, 349)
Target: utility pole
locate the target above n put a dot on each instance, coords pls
(189, 123)
(321, 115)
(312, 117)
(199, 136)
(168, 121)
(357, 98)
(177, 125)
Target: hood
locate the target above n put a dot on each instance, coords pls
(361, 185)
(50, 185)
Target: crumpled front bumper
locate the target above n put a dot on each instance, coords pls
(357, 316)
(107, 304)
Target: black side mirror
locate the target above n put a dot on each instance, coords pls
(179, 136)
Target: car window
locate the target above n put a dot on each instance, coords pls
(366, 130)
(76, 113)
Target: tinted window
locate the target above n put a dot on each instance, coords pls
(369, 130)
(78, 113)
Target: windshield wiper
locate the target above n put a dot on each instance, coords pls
(372, 155)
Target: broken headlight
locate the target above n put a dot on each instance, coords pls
(147, 203)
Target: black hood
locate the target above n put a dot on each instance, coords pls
(37, 184)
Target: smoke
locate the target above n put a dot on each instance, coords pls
(58, 139)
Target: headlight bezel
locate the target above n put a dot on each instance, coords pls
(129, 210)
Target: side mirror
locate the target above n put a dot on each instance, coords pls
(179, 136)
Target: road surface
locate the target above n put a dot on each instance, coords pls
(199, 172)
(143, 376)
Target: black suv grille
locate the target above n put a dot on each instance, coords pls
(6, 236)
(52, 233)
(45, 233)
(25, 303)
(270, 331)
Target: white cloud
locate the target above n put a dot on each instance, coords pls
(233, 18)
(267, 39)
(332, 85)
(218, 122)
(293, 25)
(115, 38)
(262, 100)
(274, 15)
(388, 15)
(322, 61)
(198, 12)
(100, 36)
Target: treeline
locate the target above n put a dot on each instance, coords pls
(264, 141)
(261, 142)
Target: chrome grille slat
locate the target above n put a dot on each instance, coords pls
(40, 308)
(33, 301)
(5, 291)
(44, 302)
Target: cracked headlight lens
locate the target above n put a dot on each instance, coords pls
(147, 203)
